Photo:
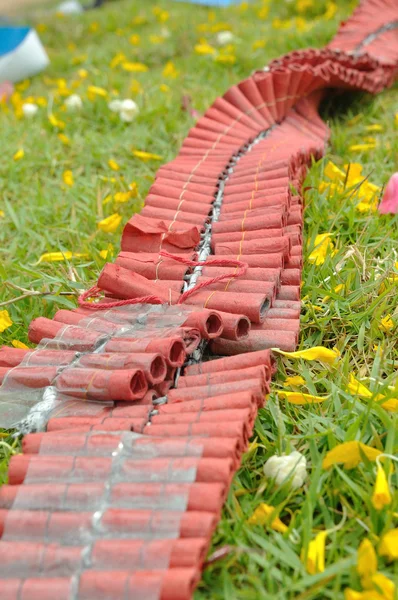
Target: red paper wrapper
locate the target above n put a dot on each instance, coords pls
(270, 246)
(157, 268)
(263, 261)
(251, 274)
(12, 357)
(257, 340)
(257, 386)
(146, 235)
(70, 336)
(32, 377)
(153, 365)
(172, 348)
(128, 384)
(245, 399)
(269, 221)
(232, 363)
(253, 306)
(278, 324)
(235, 429)
(267, 288)
(97, 424)
(64, 526)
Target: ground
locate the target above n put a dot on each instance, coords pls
(349, 299)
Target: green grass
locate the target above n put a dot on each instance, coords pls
(41, 216)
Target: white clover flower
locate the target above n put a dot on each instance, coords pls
(128, 110)
(74, 102)
(29, 109)
(291, 467)
(115, 105)
(224, 37)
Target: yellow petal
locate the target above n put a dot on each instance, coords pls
(294, 380)
(123, 196)
(391, 405)
(64, 139)
(316, 353)
(134, 67)
(59, 256)
(263, 516)
(55, 122)
(113, 165)
(362, 147)
(374, 128)
(204, 48)
(334, 173)
(94, 90)
(108, 253)
(146, 155)
(386, 323)
(389, 545)
(315, 562)
(384, 586)
(5, 320)
(18, 344)
(301, 399)
(367, 559)
(170, 71)
(67, 177)
(381, 494)
(357, 388)
(322, 247)
(110, 224)
(19, 154)
(349, 454)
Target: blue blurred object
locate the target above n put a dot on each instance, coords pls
(21, 53)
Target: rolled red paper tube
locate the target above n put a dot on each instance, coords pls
(128, 384)
(74, 337)
(163, 388)
(172, 348)
(97, 424)
(261, 175)
(294, 262)
(274, 260)
(153, 364)
(208, 322)
(12, 357)
(235, 327)
(235, 209)
(183, 204)
(205, 391)
(39, 468)
(241, 415)
(258, 371)
(270, 221)
(237, 236)
(271, 246)
(250, 274)
(64, 526)
(37, 589)
(255, 188)
(293, 304)
(267, 288)
(26, 558)
(257, 340)
(206, 497)
(180, 192)
(173, 216)
(283, 313)
(93, 322)
(279, 325)
(127, 284)
(93, 444)
(141, 234)
(262, 357)
(32, 377)
(158, 268)
(253, 306)
(234, 429)
(225, 401)
(291, 277)
(288, 292)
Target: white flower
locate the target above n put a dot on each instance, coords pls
(73, 102)
(292, 467)
(224, 37)
(115, 105)
(128, 110)
(29, 109)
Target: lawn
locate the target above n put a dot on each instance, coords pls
(63, 172)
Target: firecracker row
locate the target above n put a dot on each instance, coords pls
(140, 402)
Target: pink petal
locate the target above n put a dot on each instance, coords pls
(389, 203)
(6, 89)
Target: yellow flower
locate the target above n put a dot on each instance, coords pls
(357, 388)
(156, 39)
(160, 14)
(386, 323)
(362, 147)
(78, 60)
(389, 545)
(146, 155)
(334, 173)
(121, 197)
(59, 256)
(135, 87)
(396, 119)
(41, 27)
(135, 39)
(258, 44)
(337, 289)
(93, 27)
(204, 48)
(164, 88)
(5, 320)
(134, 67)
(19, 154)
(55, 122)
(93, 91)
(113, 165)
(67, 177)
(23, 85)
(316, 353)
(225, 59)
(83, 73)
(294, 380)
(331, 10)
(349, 454)
(117, 59)
(170, 71)
(108, 252)
(110, 224)
(383, 586)
(381, 494)
(18, 344)
(315, 561)
(374, 128)
(366, 562)
(322, 247)
(64, 139)
(263, 12)
(301, 399)
(263, 516)
(2, 214)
